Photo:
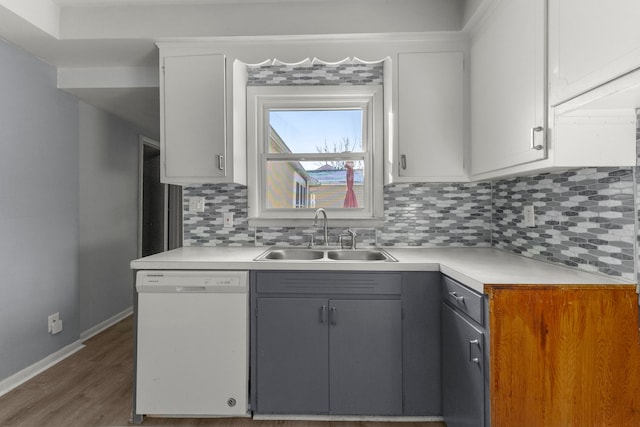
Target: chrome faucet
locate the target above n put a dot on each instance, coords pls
(315, 224)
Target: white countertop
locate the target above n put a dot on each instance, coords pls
(475, 267)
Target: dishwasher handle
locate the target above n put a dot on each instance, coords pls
(184, 289)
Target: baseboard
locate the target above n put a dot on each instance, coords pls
(29, 372)
(105, 324)
(354, 418)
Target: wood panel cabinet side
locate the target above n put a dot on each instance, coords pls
(564, 356)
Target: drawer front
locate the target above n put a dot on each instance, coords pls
(340, 283)
(463, 299)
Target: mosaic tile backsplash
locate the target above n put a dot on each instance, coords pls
(207, 228)
(426, 215)
(315, 75)
(429, 215)
(585, 218)
(637, 174)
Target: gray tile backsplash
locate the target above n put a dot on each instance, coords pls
(426, 215)
(207, 228)
(637, 194)
(585, 218)
(430, 215)
(315, 75)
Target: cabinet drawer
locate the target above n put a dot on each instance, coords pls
(463, 298)
(328, 283)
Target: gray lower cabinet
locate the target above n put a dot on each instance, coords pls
(365, 357)
(329, 356)
(334, 343)
(293, 355)
(464, 376)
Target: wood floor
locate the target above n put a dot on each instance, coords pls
(92, 388)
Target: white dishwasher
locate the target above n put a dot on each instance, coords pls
(192, 343)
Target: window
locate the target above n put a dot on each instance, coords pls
(300, 190)
(314, 147)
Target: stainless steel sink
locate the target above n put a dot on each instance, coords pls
(358, 255)
(326, 255)
(293, 254)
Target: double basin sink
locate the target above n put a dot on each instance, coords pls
(325, 254)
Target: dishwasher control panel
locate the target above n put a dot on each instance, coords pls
(193, 281)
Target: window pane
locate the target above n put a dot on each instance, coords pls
(312, 185)
(315, 131)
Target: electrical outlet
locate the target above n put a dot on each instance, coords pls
(57, 327)
(529, 216)
(228, 219)
(54, 323)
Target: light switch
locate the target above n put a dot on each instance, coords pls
(529, 216)
(196, 204)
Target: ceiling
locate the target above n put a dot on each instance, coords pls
(105, 50)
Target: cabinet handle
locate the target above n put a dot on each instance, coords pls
(456, 297)
(472, 344)
(403, 161)
(220, 162)
(323, 314)
(535, 146)
(333, 318)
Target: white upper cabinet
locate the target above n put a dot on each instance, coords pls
(194, 140)
(431, 122)
(594, 81)
(590, 43)
(508, 104)
(513, 129)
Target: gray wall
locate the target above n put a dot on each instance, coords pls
(108, 220)
(68, 212)
(38, 210)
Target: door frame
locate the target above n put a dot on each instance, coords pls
(172, 212)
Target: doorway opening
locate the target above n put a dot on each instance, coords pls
(160, 205)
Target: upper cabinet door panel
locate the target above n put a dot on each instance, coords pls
(590, 43)
(430, 117)
(193, 111)
(508, 86)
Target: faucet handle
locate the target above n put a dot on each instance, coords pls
(353, 235)
(341, 240)
(311, 239)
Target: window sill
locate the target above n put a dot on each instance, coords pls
(308, 223)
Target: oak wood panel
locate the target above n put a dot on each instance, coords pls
(564, 356)
(92, 388)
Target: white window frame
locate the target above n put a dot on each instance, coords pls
(260, 99)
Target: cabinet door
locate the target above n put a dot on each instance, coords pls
(590, 43)
(365, 357)
(431, 119)
(507, 87)
(421, 343)
(462, 374)
(292, 356)
(193, 138)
